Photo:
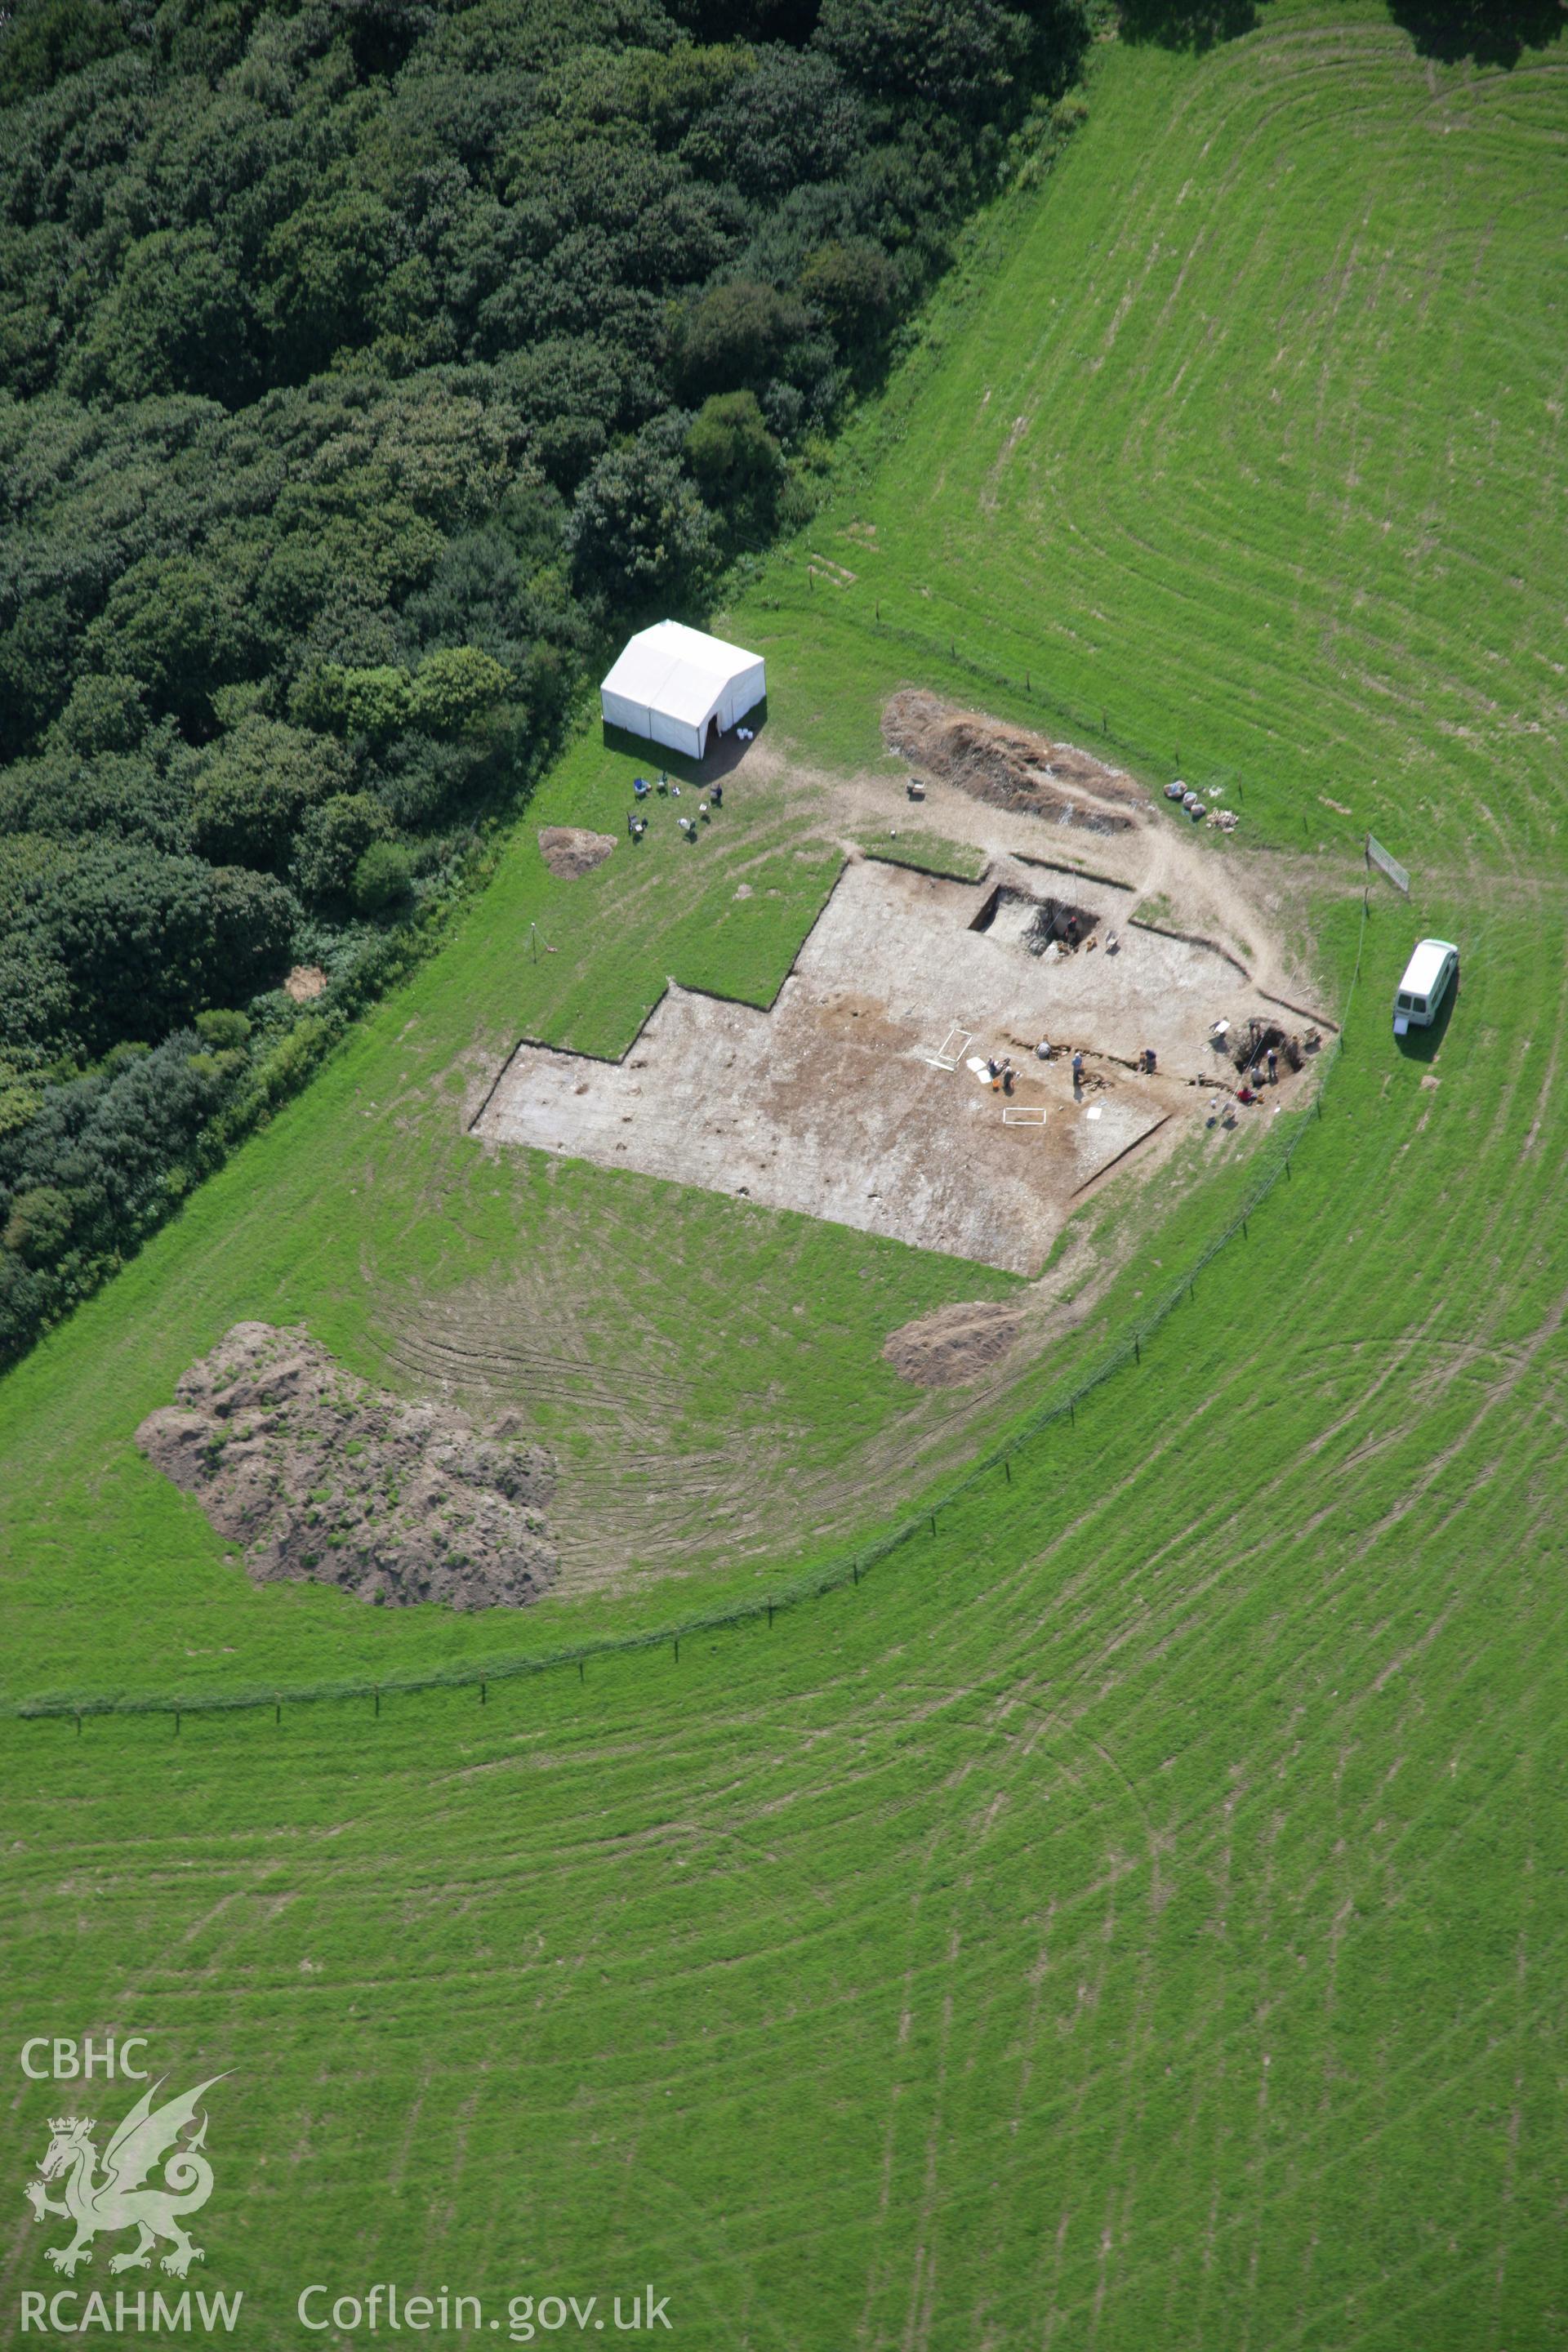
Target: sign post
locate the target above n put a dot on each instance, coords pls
(1377, 856)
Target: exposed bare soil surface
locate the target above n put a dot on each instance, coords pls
(314, 1474)
(944, 1349)
(1009, 766)
(571, 851)
(841, 1102)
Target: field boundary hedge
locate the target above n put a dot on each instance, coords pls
(848, 1570)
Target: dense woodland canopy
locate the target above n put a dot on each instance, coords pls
(364, 366)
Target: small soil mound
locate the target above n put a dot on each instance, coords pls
(305, 982)
(570, 852)
(314, 1474)
(953, 1344)
(1009, 766)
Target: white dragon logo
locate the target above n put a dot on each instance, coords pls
(119, 2200)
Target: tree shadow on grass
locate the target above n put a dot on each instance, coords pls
(1489, 32)
(1195, 25)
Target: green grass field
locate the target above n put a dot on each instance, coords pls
(1135, 1914)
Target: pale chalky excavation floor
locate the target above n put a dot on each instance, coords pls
(830, 1103)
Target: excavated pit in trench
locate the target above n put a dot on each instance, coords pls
(1038, 922)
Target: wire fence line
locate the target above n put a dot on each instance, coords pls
(850, 1568)
(1094, 722)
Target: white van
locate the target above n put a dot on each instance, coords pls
(1428, 976)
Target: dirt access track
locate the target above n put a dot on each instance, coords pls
(853, 1098)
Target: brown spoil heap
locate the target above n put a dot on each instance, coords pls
(1009, 766)
(312, 1473)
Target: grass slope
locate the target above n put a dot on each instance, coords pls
(724, 1357)
(1273, 387)
(1138, 1917)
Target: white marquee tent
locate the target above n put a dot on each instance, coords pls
(675, 685)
